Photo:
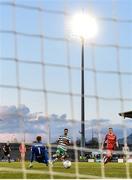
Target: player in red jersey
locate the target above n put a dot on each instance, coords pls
(110, 143)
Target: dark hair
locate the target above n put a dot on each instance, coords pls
(38, 138)
(110, 128)
(65, 129)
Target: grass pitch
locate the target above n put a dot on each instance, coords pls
(83, 170)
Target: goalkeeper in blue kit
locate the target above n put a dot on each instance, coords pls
(39, 152)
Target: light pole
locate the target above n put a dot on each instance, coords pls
(83, 26)
(82, 98)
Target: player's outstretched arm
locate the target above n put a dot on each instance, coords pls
(4, 149)
(104, 143)
(117, 144)
(102, 146)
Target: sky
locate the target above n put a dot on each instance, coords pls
(40, 66)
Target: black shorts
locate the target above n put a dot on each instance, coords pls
(39, 159)
(6, 153)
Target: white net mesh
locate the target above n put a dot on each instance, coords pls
(41, 80)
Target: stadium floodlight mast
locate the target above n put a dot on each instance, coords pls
(84, 27)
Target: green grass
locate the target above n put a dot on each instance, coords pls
(40, 171)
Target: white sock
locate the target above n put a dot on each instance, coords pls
(55, 160)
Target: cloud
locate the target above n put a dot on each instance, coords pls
(16, 120)
(23, 109)
(10, 112)
(99, 122)
(13, 119)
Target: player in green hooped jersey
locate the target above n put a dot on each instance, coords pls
(63, 142)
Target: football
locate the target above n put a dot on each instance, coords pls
(67, 164)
